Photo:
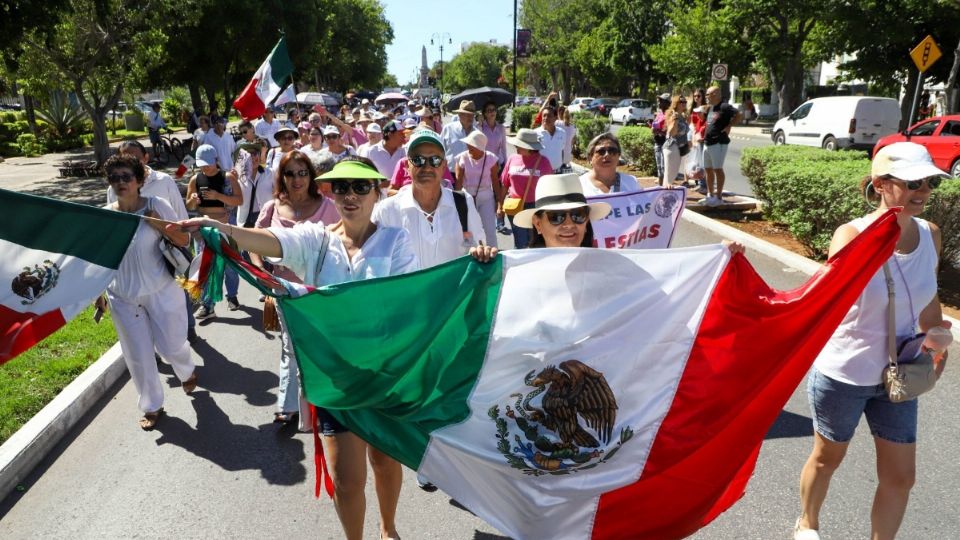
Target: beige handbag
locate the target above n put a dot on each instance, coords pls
(513, 205)
(904, 382)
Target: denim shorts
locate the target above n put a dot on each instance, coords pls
(714, 155)
(328, 425)
(837, 406)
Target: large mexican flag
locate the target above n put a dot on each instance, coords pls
(56, 258)
(576, 393)
(269, 85)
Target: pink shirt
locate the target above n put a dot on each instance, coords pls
(519, 170)
(326, 214)
(401, 176)
(496, 140)
(476, 173)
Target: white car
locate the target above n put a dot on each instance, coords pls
(579, 104)
(631, 112)
(856, 122)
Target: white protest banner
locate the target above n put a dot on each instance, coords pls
(639, 219)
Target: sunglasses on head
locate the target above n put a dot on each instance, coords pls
(420, 161)
(604, 150)
(301, 173)
(578, 215)
(120, 177)
(913, 185)
(360, 187)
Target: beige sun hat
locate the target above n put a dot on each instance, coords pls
(560, 192)
(466, 107)
(476, 139)
(906, 161)
(526, 138)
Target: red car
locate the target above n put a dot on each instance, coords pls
(940, 135)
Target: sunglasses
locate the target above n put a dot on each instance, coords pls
(244, 131)
(420, 161)
(288, 138)
(331, 136)
(578, 215)
(301, 173)
(913, 185)
(360, 187)
(116, 178)
(602, 151)
(682, 101)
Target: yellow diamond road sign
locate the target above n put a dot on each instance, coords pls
(925, 54)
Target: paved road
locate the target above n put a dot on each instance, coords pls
(217, 467)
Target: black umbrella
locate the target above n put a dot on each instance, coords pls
(480, 97)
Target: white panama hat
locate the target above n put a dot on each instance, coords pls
(560, 192)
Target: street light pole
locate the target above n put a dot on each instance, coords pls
(440, 37)
(514, 53)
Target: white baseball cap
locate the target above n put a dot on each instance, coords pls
(331, 129)
(374, 128)
(905, 161)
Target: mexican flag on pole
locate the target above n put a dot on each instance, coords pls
(57, 257)
(576, 393)
(269, 85)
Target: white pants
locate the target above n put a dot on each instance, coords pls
(289, 395)
(671, 163)
(147, 322)
(487, 208)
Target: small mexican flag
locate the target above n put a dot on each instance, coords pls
(576, 393)
(269, 85)
(56, 257)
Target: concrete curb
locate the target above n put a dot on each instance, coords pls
(28, 446)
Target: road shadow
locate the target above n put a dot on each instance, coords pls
(236, 447)
(91, 191)
(220, 375)
(790, 425)
(477, 535)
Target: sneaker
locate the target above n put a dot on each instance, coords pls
(192, 336)
(702, 190)
(805, 534)
(204, 312)
(714, 201)
(232, 303)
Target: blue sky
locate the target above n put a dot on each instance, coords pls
(414, 21)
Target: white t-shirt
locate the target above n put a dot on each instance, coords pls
(159, 184)
(554, 146)
(225, 146)
(437, 242)
(142, 271)
(857, 352)
(265, 130)
(627, 183)
(387, 252)
(249, 178)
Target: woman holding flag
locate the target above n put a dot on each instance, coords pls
(146, 302)
(351, 249)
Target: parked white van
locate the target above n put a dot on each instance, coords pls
(839, 122)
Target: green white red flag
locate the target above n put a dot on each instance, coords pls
(270, 85)
(56, 258)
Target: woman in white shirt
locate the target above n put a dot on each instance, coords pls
(603, 177)
(356, 249)
(146, 302)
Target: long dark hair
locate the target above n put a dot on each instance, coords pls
(280, 188)
(537, 240)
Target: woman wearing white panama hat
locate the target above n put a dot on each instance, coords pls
(477, 173)
(520, 175)
(561, 215)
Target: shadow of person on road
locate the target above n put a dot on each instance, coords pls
(219, 375)
(790, 425)
(236, 447)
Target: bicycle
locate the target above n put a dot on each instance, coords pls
(169, 146)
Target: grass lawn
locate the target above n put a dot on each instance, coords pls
(33, 379)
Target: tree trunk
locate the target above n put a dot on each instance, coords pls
(790, 91)
(211, 98)
(101, 144)
(953, 96)
(29, 110)
(97, 111)
(195, 99)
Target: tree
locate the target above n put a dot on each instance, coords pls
(96, 48)
(350, 45)
(478, 65)
(557, 27)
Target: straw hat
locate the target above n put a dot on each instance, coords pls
(560, 192)
(476, 139)
(526, 138)
(466, 107)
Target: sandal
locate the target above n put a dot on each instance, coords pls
(149, 420)
(284, 417)
(190, 384)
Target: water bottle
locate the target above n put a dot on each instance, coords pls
(937, 340)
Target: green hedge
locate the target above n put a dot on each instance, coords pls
(523, 117)
(814, 191)
(588, 127)
(30, 146)
(636, 144)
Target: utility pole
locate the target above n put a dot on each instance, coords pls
(440, 37)
(514, 53)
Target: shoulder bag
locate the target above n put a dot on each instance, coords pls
(513, 205)
(176, 258)
(905, 381)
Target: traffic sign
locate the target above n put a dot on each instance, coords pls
(925, 54)
(719, 72)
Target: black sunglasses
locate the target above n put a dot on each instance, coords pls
(331, 136)
(288, 138)
(578, 215)
(913, 185)
(604, 150)
(420, 161)
(124, 177)
(360, 187)
(301, 173)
